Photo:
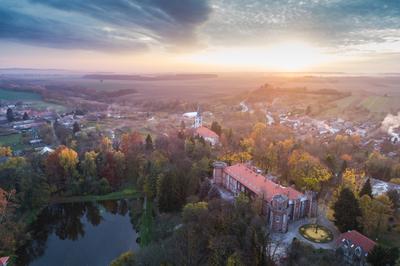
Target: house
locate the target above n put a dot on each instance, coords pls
(201, 131)
(354, 247)
(207, 134)
(281, 205)
(4, 261)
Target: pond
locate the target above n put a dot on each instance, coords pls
(87, 233)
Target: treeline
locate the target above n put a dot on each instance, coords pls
(167, 171)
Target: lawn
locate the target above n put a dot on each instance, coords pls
(13, 140)
(123, 194)
(320, 234)
(42, 105)
(146, 224)
(12, 95)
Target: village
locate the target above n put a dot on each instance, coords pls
(289, 211)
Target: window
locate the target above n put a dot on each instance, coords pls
(358, 251)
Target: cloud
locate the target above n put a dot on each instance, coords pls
(103, 24)
(329, 23)
(145, 24)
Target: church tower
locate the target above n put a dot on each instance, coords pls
(198, 120)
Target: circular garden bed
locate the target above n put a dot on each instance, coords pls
(316, 233)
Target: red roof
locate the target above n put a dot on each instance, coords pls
(260, 184)
(3, 260)
(206, 133)
(358, 239)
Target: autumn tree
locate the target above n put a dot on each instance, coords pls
(349, 179)
(394, 197)
(5, 151)
(306, 171)
(89, 165)
(366, 189)
(61, 167)
(149, 143)
(347, 211)
(46, 133)
(132, 147)
(379, 166)
(216, 127)
(113, 168)
(125, 259)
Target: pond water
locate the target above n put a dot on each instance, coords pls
(80, 234)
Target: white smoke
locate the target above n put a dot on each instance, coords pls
(389, 124)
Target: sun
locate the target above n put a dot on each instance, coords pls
(293, 56)
(286, 56)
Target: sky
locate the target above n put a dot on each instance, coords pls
(134, 36)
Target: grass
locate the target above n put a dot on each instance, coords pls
(13, 95)
(373, 103)
(123, 194)
(380, 104)
(321, 235)
(146, 224)
(42, 105)
(13, 140)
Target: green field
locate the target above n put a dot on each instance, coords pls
(34, 98)
(126, 193)
(42, 105)
(376, 105)
(12, 95)
(14, 141)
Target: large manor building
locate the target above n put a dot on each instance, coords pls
(282, 205)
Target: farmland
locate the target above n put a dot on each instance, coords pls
(14, 141)
(12, 95)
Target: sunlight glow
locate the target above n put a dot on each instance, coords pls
(288, 56)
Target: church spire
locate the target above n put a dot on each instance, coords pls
(198, 120)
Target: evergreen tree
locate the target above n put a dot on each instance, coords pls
(383, 256)
(366, 189)
(344, 166)
(26, 116)
(76, 127)
(346, 211)
(183, 126)
(10, 115)
(167, 193)
(149, 143)
(216, 128)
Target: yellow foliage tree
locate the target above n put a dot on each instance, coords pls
(306, 171)
(5, 151)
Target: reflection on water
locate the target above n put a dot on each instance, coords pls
(79, 234)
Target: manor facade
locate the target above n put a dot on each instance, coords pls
(281, 205)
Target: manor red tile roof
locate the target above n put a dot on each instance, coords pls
(358, 239)
(206, 133)
(260, 184)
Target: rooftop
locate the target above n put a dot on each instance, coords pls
(206, 133)
(260, 184)
(358, 239)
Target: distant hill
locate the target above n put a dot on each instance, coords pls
(150, 78)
